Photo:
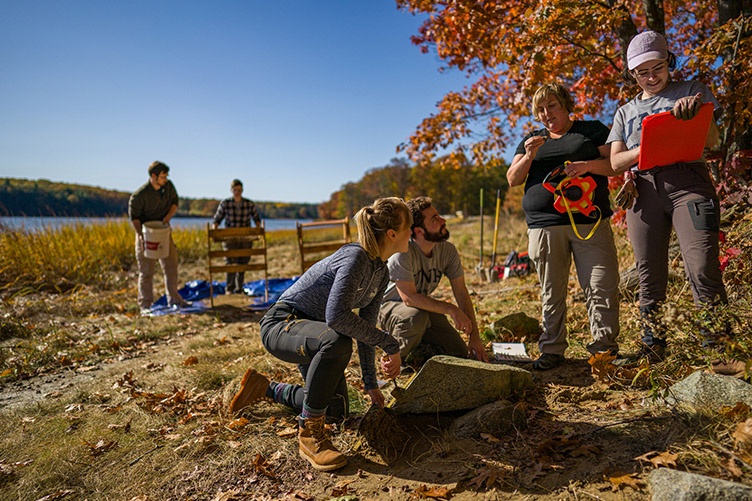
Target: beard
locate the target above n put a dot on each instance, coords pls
(440, 236)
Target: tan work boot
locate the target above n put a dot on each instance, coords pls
(252, 389)
(316, 447)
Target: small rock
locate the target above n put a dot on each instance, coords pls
(709, 392)
(514, 327)
(672, 485)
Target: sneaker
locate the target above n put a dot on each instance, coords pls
(146, 312)
(315, 446)
(548, 361)
(252, 390)
(181, 304)
(620, 360)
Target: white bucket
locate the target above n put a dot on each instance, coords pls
(156, 240)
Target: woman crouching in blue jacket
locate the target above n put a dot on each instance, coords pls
(313, 325)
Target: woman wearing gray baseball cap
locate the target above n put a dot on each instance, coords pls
(679, 195)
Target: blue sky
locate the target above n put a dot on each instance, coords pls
(294, 97)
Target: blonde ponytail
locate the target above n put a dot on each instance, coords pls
(374, 220)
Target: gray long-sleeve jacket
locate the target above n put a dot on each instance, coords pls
(335, 286)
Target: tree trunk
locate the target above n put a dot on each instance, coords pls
(625, 31)
(654, 14)
(728, 11)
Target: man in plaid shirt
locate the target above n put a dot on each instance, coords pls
(236, 211)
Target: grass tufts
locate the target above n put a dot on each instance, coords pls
(135, 408)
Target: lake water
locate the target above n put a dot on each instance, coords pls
(39, 223)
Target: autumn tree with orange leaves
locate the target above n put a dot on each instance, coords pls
(509, 47)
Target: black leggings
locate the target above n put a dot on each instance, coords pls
(322, 356)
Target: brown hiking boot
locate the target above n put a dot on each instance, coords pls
(316, 447)
(252, 389)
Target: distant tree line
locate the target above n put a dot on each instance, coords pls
(207, 207)
(452, 182)
(24, 197)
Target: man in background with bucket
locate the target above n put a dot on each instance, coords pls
(151, 207)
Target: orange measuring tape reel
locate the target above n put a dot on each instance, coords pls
(573, 194)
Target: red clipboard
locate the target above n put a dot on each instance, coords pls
(667, 140)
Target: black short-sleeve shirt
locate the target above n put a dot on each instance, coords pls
(580, 143)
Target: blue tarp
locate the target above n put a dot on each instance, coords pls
(196, 290)
(276, 287)
(195, 307)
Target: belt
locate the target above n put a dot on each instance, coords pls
(678, 165)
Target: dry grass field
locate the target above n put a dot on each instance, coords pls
(97, 402)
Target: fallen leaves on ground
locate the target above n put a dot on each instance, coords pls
(486, 477)
(659, 459)
(743, 434)
(624, 404)
(619, 480)
(180, 402)
(126, 381)
(100, 447)
(602, 366)
(287, 432)
(8, 470)
(425, 492)
(56, 495)
(489, 438)
(740, 410)
(238, 424)
(566, 446)
(296, 495)
(636, 376)
(125, 427)
(342, 489)
(585, 450)
(226, 496)
(262, 467)
(733, 469)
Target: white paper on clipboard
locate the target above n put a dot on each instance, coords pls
(514, 352)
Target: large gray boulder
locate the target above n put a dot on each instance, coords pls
(447, 383)
(673, 485)
(708, 392)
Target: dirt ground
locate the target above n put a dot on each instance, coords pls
(581, 438)
(579, 441)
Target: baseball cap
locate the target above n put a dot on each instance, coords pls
(646, 46)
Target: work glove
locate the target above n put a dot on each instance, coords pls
(687, 107)
(627, 194)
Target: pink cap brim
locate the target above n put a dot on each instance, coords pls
(647, 56)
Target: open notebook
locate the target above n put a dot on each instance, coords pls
(667, 140)
(514, 352)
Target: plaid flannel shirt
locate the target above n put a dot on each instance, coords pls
(237, 214)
